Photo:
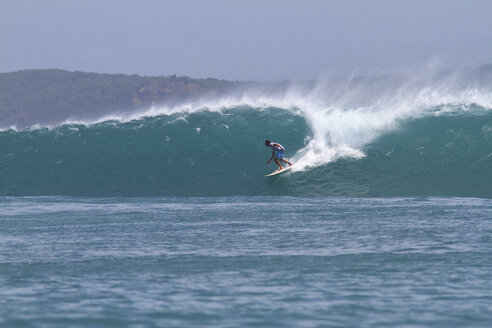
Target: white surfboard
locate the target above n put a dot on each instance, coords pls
(279, 171)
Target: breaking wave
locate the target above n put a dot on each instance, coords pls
(369, 137)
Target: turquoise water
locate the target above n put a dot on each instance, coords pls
(245, 262)
(209, 153)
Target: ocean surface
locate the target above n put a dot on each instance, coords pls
(163, 217)
(245, 262)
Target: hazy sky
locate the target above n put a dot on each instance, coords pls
(243, 40)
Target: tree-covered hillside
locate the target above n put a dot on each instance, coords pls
(51, 96)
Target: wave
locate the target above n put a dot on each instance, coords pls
(364, 136)
(207, 153)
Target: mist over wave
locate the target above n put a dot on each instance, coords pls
(344, 115)
(341, 133)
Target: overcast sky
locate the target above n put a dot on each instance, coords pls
(265, 40)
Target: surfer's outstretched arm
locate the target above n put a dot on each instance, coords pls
(273, 155)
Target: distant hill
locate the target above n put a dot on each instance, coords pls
(51, 96)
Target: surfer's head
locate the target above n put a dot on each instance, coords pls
(267, 142)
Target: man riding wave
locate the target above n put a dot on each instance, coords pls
(278, 153)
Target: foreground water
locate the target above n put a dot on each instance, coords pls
(245, 261)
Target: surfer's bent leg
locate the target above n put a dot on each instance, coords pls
(286, 161)
(278, 163)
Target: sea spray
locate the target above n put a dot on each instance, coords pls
(344, 115)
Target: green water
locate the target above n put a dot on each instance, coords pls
(222, 153)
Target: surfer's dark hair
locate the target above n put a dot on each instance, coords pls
(267, 142)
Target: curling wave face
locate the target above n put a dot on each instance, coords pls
(359, 137)
(222, 153)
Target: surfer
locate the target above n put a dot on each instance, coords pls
(277, 153)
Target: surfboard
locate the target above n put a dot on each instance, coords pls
(279, 171)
